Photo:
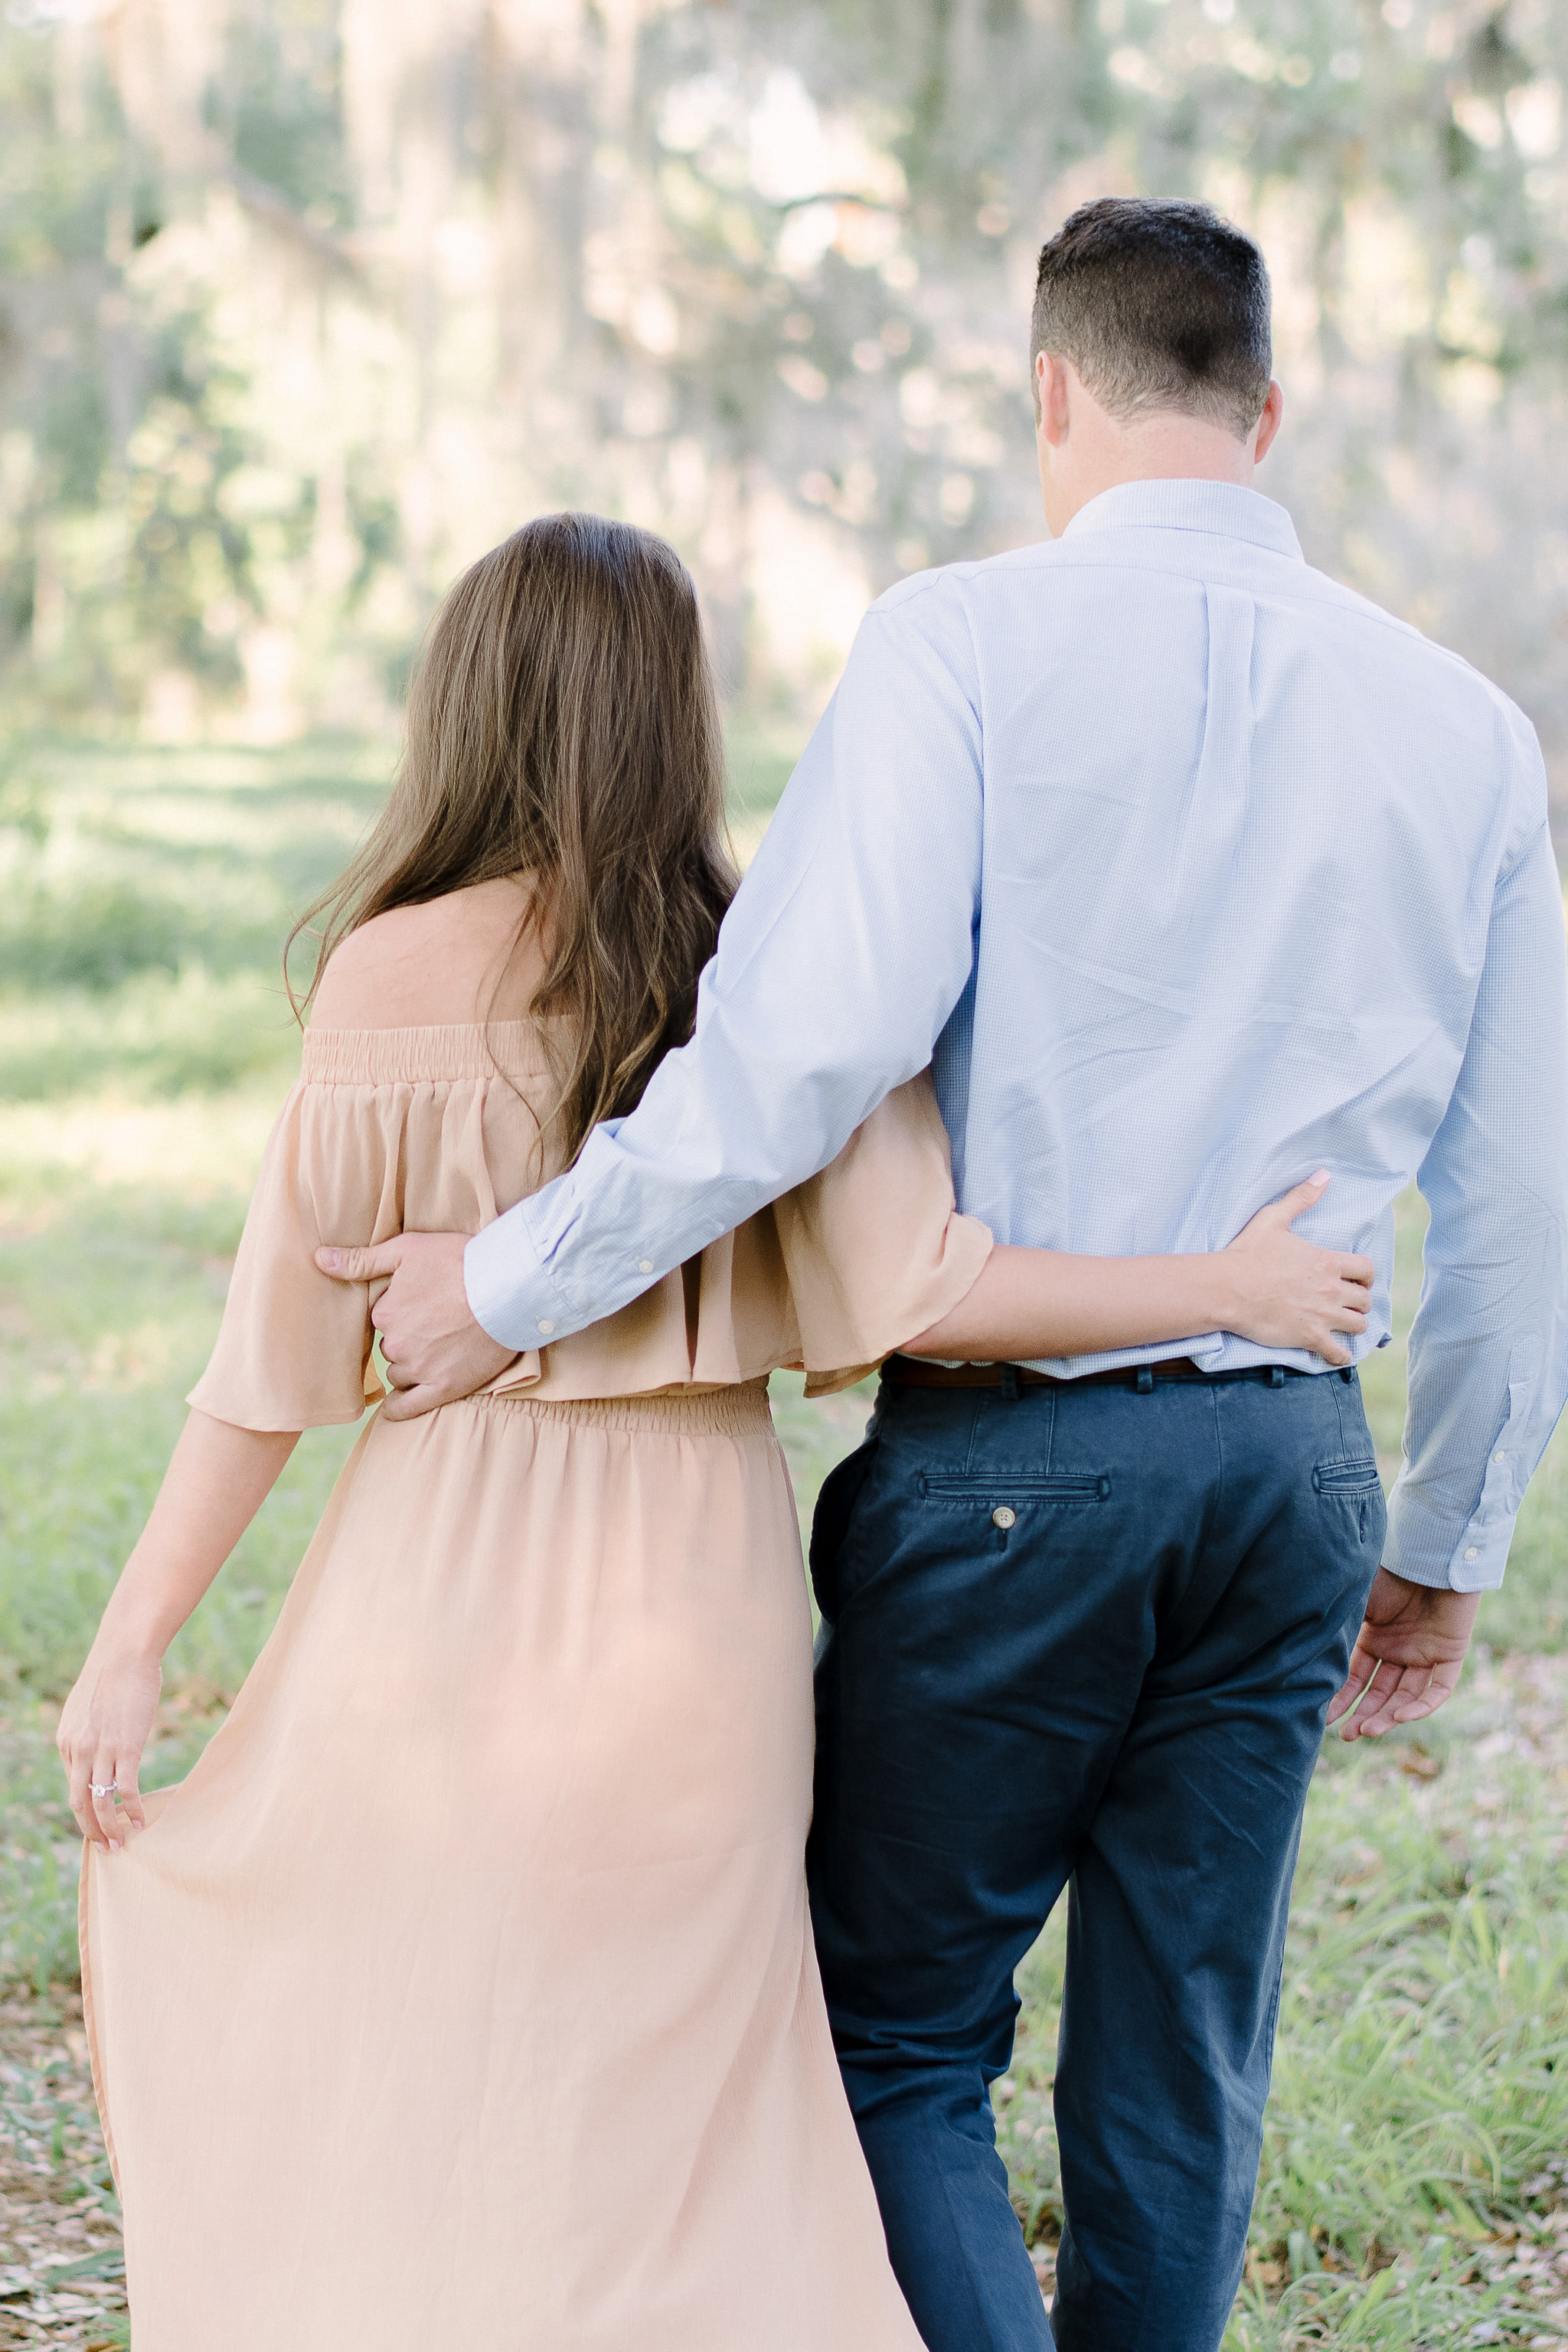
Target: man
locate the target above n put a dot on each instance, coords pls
(1192, 873)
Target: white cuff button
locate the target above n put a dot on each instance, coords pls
(545, 1326)
(644, 1265)
(1472, 1553)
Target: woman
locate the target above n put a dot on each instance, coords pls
(464, 1994)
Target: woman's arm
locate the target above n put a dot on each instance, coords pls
(217, 1479)
(1270, 1286)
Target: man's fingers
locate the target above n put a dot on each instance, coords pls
(1408, 1657)
(1400, 1695)
(1415, 1699)
(1358, 1675)
(370, 1265)
(1444, 1683)
(1380, 1685)
(408, 1405)
(1401, 1702)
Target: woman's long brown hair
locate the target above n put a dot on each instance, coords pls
(563, 726)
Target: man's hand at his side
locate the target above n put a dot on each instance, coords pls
(435, 1351)
(1407, 1656)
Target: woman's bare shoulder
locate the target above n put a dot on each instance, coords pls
(432, 964)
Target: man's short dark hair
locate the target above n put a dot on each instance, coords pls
(1158, 306)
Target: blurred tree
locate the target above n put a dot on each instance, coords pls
(305, 300)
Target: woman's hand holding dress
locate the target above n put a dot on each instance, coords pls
(217, 1479)
(104, 1727)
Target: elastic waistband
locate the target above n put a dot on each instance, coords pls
(734, 1412)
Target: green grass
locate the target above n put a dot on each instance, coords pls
(1416, 2135)
(1420, 2102)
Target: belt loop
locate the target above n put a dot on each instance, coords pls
(1145, 1379)
(1276, 1375)
(1347, 1372)
(1009, 1383)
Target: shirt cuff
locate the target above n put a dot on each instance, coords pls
(1423, 1549)
(509, 1290)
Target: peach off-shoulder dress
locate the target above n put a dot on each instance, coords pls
(464, 1995)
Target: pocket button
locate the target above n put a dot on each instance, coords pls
(1003, 1517)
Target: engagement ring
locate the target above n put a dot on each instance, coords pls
(104, 1788)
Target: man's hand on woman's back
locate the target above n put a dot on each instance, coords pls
(435, 1351)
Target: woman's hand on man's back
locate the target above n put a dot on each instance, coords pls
(1288, 1293)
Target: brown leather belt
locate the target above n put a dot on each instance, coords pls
(909, 1373)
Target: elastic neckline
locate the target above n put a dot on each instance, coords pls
(456, 1050)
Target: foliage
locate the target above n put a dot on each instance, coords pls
(299, 312)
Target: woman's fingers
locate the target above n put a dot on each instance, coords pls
(105, 1725)
(1295, 1202)
(105, 1795)
(84, 1772)
(80, 1802)
(100, 1800)
(127, 1772)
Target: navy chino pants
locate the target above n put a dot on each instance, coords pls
(1077, 1637)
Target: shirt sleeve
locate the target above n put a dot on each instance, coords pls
(849, 943)
(1489, 1351)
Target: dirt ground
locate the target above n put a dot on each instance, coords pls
(61, 2269)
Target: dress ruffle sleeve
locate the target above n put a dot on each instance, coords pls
(875, 1249)
(413, 1131)
(829, 1281)
(293, 1351)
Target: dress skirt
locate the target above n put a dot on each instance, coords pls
(464, 1995)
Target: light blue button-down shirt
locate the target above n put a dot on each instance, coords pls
(1191, 872)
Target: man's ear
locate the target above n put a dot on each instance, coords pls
(1052, 398)
(1268, 423)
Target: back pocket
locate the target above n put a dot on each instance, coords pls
(1001, 1491)
(1346, 1477)
(1357, 1487)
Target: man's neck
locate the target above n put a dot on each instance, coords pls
(1159, 459)
(1163, 448)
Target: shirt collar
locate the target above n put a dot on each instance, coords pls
(1223, 508)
